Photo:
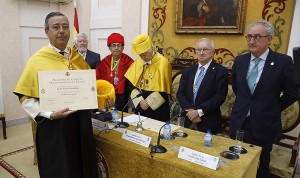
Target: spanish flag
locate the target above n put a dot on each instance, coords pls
(76, 26)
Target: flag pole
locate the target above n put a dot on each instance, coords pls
(76, 25)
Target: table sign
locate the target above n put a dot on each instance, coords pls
(199, 158)
(75, 89)
(137, 138)
(98, 125)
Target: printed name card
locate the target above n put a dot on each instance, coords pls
(199, 158)
(98, 125)
(137, 138)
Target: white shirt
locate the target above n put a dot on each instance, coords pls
(66, 54)
(149, 62)
(83, 55)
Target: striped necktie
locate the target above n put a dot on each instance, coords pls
(198, 82)
(253, 75)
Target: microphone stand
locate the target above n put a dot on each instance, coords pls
(159, 148)
(123, 124)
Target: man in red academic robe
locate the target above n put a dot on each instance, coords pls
(113, 67)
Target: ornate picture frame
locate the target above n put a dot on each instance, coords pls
(210, 16)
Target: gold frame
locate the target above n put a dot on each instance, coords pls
(238, 28)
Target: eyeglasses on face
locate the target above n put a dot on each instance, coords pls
(205, 50)
(116, 45)
(255, 37)
(150, 51)
(144, 54)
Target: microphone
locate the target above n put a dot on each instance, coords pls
(159, 148)
(123, 124)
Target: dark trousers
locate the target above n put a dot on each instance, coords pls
(264, 160)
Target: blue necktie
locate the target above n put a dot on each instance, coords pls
(198, 82)
(253, 75)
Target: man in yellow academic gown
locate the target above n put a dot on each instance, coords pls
(64, 138)
(150, 75)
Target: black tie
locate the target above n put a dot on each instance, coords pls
(62, 53)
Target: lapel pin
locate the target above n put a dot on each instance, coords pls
(272, 63)
(213, 68)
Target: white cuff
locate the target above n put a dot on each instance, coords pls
(46, 114)
(32, 107)
(200, 112)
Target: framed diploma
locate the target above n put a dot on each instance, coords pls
(75, 89)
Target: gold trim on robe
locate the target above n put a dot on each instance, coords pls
(155, 100)
(45, 59)
(157, 77)
(136, 101)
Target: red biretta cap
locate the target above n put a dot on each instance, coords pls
(115, 38)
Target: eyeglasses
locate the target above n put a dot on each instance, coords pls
(144, 54)
(150, 51)
(205, 50)
(116, 45)
(255, 37)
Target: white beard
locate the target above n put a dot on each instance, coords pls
(82, 50)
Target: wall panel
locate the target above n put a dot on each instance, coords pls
(162, 29)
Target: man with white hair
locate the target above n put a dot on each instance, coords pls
(81, 43)
(203, 89)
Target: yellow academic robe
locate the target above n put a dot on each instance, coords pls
(157, 78)
(61, 143)
(45, 59)
(158, 75)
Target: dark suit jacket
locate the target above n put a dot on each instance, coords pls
(211, 95)
(266, 103)
(92, 59)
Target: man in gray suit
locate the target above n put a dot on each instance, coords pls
(81, 43)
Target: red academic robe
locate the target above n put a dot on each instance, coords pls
(103, 71)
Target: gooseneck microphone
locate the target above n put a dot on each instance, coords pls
(159, 148)
(123, 124)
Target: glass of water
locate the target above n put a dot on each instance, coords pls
(239, 140)
(180, 123)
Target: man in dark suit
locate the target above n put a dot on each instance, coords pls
(258, 80)
(81, 43)
(203, 89)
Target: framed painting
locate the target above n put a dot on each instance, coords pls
(210, 16)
